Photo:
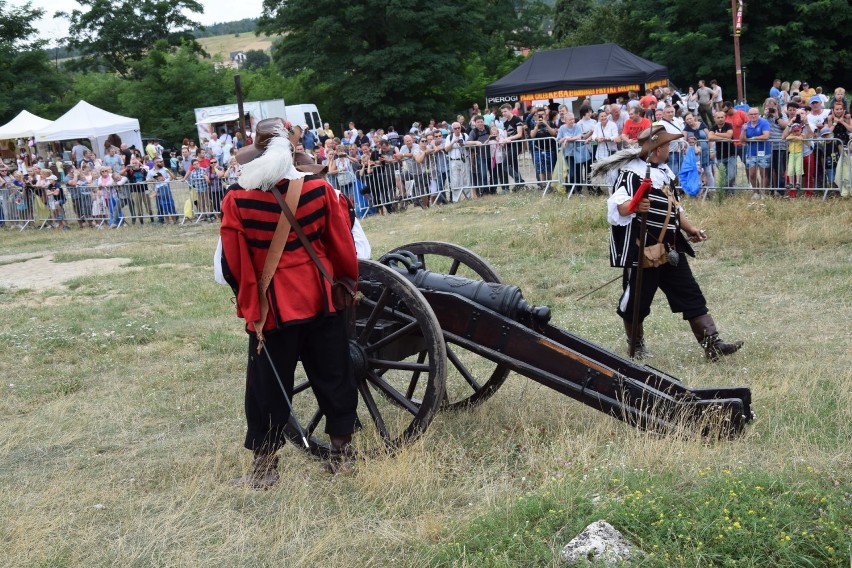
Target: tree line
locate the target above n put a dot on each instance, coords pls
(383, 63)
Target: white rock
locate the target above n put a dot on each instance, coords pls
(600, 544)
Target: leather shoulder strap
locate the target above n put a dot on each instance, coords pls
(670, 198)
(276, 248)
(282, 230)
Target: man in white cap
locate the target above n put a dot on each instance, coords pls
(817, 115)
(295, 319)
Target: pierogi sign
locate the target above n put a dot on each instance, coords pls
(502, 99)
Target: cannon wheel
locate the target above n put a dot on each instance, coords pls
(398, 395)
(463, 388)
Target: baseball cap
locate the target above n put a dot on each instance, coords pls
(814, 99)
(825, 130)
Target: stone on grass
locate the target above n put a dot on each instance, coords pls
(600, 544)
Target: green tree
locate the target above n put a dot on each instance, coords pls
(172, 83)
(116, 33)
(383, 61)
(784, 38)
(569, 15)
(226, 28)
(480, 70)
(162, 91)
(522, 24)
(607, 22)
(255, 59)
(27, 78)
(812, 44)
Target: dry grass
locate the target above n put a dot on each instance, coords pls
(220, 46)
(123, 395)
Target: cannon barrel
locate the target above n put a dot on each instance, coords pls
(505, 299)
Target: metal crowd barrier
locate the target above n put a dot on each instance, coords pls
(114, 206)
(474, 171)
(445, 177)
(824, 168)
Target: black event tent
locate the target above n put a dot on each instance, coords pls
(577, 72)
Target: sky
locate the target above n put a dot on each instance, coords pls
(215, 11)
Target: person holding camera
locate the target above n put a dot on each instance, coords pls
(341, 170)
(384, 159)
(479, 137)
(795, 133)
(216, 174)
(457, 155)
(544, 146)
(697, 134)
(414, 158)
(778, 162)
(515, 129)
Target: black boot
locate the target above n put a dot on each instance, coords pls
(341, 459)
(704, 329)
(263, 474)
(641, 351)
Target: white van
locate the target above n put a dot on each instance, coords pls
(306, 114)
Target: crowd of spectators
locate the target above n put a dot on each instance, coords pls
(792, 142)
(481, 150)
(126, 186)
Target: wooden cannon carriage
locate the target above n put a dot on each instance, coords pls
(435, 328)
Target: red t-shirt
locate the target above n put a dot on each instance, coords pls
(633, 129)
(648, 101)
(736, 121)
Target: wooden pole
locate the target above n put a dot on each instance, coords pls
(737, 14)
(238, 89)
(637, 286)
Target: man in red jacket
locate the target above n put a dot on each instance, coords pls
(301, 322)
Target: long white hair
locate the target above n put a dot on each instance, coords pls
(275, 164)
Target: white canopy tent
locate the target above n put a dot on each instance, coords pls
(23, 126)
(88, 121)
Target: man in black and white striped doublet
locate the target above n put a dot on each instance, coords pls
(675, 280)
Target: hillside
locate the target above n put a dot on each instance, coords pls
(220, 46)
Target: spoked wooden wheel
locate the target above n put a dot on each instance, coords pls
(399, 363)
(470, 378)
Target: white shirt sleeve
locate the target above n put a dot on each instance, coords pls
(618, 197)
(362, 245)
(217, 265)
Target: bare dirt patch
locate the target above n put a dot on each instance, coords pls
(42, 273)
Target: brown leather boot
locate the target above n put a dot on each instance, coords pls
(341, 459)
(641, 349)
(704, 329)
(263, 474)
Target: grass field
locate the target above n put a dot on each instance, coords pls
(122, 408)
(220, 46)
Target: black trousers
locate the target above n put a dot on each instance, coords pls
(323, 347)
(512, 163)
(676, 282)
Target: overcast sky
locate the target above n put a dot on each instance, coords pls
(215, 11)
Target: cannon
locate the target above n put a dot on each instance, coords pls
(435, 328)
